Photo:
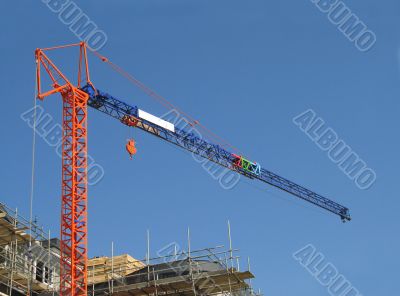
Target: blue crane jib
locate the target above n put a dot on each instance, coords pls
(248, 166)
(130, 116)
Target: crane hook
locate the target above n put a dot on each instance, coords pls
(130, 147)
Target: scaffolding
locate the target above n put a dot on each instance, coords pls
(30, 265)
(28, 259)
(207, 271)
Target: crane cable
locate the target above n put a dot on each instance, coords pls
(33, 162)
(29, 292)
(162, 100)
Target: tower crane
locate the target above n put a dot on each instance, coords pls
(75, 99)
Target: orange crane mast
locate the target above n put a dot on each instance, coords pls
(73, 267)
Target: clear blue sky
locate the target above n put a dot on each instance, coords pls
(244, 69)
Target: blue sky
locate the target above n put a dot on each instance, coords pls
(244, 69)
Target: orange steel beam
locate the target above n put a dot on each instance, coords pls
(73, 270)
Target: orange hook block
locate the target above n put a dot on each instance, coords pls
(130, 147)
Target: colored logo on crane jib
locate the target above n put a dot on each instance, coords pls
(246, 165)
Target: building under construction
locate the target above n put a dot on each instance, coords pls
(30, 265)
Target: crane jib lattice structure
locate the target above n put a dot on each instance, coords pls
(128, 115)
(76, 98)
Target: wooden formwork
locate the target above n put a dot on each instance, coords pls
(102, 269)
(9, 232)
